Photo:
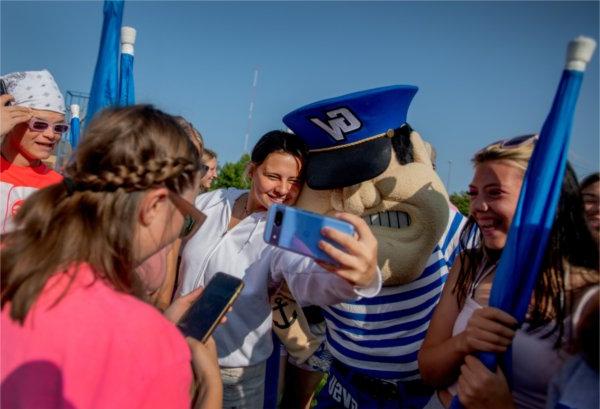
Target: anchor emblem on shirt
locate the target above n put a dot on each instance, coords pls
(287, 321)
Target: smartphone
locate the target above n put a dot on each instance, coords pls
(4, 90)
(205, 314)
(299, 231)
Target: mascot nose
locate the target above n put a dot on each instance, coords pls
(356, 198)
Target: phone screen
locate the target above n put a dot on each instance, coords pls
(204, 315)
(300, 231)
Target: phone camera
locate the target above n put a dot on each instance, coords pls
(278, 218)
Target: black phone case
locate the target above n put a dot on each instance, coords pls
(202, 318)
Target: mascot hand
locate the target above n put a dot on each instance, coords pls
(357, 263)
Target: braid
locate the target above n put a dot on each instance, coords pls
(137, 177)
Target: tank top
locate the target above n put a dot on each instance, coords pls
(534, 359)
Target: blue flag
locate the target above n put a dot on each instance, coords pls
(74, 131)
(106, 75)
(126, 86)
(530, 229)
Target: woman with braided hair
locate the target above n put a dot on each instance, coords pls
(76, 330)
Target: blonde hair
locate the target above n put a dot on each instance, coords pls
(91, 217)
(518, 155)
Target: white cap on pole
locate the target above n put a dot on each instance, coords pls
(74, 111)
(127, 39)
(579, 53)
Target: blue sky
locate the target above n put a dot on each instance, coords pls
(486, 70)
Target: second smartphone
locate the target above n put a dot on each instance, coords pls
(205, 314)
(299, 230)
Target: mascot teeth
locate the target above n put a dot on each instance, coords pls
(388, 219)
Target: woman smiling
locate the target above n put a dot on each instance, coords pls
(231, 241)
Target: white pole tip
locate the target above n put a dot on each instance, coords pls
(75, 111)
(579, 53)
(128, 35)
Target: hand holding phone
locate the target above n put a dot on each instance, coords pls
(207, 371)
(205, 314)
(357, 263)
(299, 231)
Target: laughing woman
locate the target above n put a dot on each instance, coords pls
(231, 241)
(463, 323)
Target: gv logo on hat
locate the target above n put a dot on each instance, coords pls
(341, 123)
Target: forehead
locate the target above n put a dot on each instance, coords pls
(500, 172)
(49, 116)
(281, 162)
(592, 190)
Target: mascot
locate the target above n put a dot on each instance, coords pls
(366, 160)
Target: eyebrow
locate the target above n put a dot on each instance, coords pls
(494, 184)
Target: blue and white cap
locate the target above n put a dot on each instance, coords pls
(349, 137)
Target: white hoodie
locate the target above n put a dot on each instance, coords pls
(245, 339)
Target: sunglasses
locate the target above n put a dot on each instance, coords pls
(192, 217)
(512, 143)
(39, 125)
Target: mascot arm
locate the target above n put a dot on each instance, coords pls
(312, 285)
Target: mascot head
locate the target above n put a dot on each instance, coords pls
(366, 160)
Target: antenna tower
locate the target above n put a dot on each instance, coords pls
(251, 109)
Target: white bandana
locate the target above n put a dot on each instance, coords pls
(35, 89)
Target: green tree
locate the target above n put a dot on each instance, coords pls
(232, 175)
(461, 201)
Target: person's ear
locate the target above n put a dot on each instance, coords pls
(250, 169)
(152, 204)
(420, 152)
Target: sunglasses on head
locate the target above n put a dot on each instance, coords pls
(192, 217)
(40, 125)
(512, 143)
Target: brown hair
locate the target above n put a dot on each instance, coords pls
(91, 217)
(209, 153)
(192, 133)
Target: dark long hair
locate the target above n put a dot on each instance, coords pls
(589, 180)
(570, 242)
(91, 217)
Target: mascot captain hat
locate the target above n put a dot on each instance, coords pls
(349, 137)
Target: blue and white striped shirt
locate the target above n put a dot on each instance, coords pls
(381, 336)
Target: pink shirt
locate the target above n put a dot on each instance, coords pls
(96, 348)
